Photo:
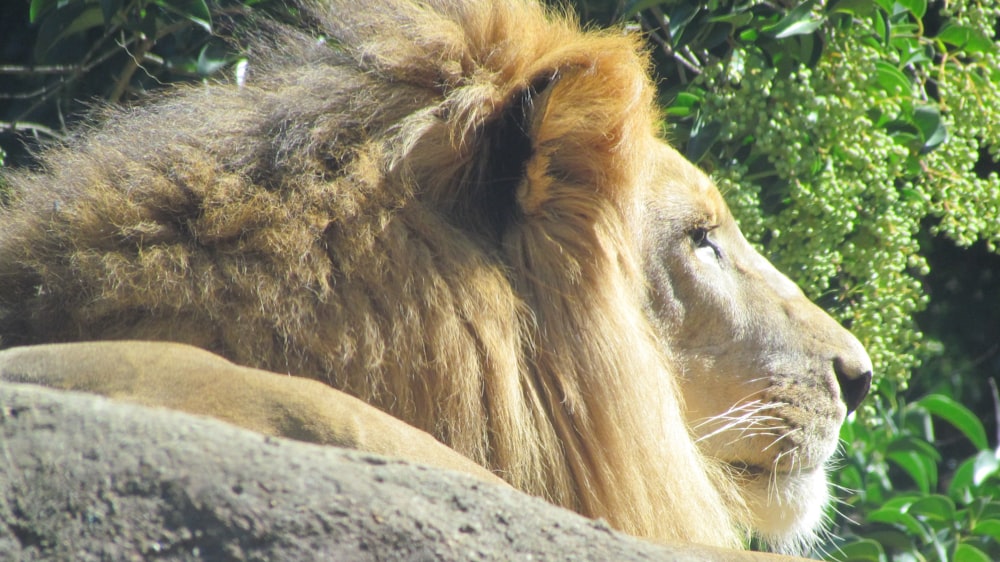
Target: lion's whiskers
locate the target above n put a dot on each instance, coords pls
(745, 417)
(784, 435)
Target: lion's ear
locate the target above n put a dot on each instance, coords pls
(531, 188)
(515, 161)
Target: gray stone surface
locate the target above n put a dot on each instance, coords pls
(86, 478)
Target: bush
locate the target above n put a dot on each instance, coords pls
(76, 52)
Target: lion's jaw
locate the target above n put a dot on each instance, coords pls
(767, 377)
(788, 509)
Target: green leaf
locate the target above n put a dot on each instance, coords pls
(194, 10)
(703, 136)
(799, 28)
(965, 38)
(916, 445)
(902, 502)
(928, 119)
(962, 480)
(683, 104)
(209, 62)
(109, 8)
(38, 9)
(886, 5)
(922, 469)
(861, 9)
(891, 79)
(917, 7)
(935, 507)
(633, 7)
(680, 16)
(984, 466)
(90, 18)
(900, 519)
(987, 508)
(957, 415)
(74, 18)
(860, 550)
(988, 528)
(798, 21)
(891, 538)
(737, 19)
(883, 27)
(965, 552)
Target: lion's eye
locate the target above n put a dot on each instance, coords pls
(701, 237)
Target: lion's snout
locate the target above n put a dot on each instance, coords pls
(854, 376)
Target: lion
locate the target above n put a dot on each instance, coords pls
(463, 214)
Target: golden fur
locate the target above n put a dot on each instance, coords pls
(461, 213)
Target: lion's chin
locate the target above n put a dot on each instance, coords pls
(787, 509)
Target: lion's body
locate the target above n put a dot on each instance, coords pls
(442, 216)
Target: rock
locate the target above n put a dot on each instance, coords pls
(87, 478)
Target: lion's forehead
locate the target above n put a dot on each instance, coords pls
(689, 191)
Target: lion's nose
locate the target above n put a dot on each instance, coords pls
(854, 375)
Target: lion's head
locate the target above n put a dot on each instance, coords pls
(463, 214)
(767, 377)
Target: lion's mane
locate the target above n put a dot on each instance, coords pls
(429, 211)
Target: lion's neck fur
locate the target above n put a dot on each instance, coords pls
(577, 427)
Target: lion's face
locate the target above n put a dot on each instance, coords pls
(767, 377)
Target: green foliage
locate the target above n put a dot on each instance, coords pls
(904, 509)
(135, 26)
(112, 50)
(851, 137)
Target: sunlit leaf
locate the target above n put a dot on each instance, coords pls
(957, 415)
(965, 552)
(800, 28)
(683, 104)
(886, 5)
(194, 10)
(891, 78)
(901, 519)
(917, 7)
(798, 21)
(859, 551)
(989, 528)
(934, 506)
(209, 62)
(855, 8)
(965, 38)
(984, 466)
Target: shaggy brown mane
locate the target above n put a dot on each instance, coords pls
(435, 212)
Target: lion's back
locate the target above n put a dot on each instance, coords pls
(209, 204)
